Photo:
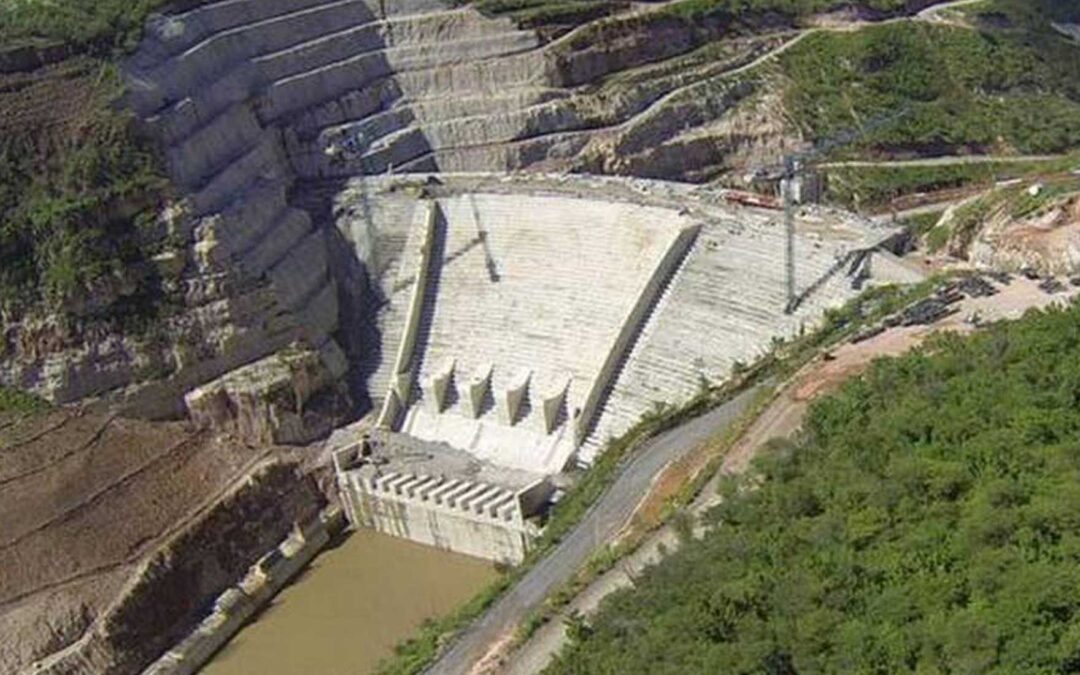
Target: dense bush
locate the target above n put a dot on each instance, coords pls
(956, 89)
(927, 520)
(96, 25)
(76, 187)
(868, 186)
(73, 207)
(791, 9)
(536, 12)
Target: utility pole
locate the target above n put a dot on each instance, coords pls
(787, 187)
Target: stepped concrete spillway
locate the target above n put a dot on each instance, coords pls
(527, 319)
(523, 310)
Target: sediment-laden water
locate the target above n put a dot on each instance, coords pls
(350, 608)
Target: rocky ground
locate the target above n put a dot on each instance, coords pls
(88, 499)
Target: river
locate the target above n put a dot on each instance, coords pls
(350, 607)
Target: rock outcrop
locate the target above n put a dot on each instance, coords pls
(1047, 241)
(290, 397)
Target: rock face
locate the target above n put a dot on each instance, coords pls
(289, 397)
(197, 565)
(246, 97)
(1048, 242)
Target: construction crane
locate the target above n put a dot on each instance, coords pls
(790, 175)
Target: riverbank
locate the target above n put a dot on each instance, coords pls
(346, 611)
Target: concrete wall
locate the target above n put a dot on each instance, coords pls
(455, 514)
(643, 306)
(401, 380)
(239, 603)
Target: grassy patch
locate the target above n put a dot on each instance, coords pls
(18, 402)
(922, 223)
(938, 237)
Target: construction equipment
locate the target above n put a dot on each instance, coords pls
(792, 179)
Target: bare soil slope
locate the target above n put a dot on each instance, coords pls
(84, 500)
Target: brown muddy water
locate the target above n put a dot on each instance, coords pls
(350, 607)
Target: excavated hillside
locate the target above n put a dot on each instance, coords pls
(1032, 226)
(169, 229)
(256, 108)
(107, 522)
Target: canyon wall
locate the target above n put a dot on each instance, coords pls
(167, 595)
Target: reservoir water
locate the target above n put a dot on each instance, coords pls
(350, 607)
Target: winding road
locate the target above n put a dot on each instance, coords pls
(610, 513)
(599, 526)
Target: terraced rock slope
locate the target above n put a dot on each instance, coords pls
(247, 97)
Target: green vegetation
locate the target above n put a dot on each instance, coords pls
(735, 10)
(99, 26)
(926, 521)
(14, 401)
(547, 12)
(937, 237)
(1011, 202)
(78, 187)
(74, 208)
(922, 223)
(1022, 204)
(955, 90)
(874, 186)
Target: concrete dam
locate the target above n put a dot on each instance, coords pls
(528, 320)
(392, 176)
